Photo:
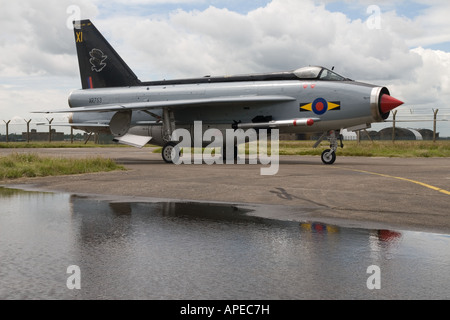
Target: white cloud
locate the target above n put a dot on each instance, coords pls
(430, 83)
(153, 2)
(34, 36)
(284, 35)
(431, 27)
(17, 101)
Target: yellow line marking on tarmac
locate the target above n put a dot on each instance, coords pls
(404, 179)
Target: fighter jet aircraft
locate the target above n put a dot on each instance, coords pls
(311, 99)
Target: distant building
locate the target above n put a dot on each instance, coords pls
(402, 134)
(43, 136)
(428, 134)
(384, 134)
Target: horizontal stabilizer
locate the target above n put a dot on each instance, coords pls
(133, 140)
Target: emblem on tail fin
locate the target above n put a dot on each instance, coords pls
(97, 60)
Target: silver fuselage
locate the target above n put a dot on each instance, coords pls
(358, 104)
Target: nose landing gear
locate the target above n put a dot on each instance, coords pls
(329, 155)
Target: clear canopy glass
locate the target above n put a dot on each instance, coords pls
(318, 73)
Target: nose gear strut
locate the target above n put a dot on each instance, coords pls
(329, 155)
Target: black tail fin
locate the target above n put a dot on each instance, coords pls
(100, 65)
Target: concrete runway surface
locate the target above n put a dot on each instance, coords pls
(395, 193)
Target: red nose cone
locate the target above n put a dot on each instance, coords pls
(388, 103)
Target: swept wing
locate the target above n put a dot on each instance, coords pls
(213, 102)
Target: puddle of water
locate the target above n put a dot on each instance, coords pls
(169, 250)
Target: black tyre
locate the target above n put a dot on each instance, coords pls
(328, 156)
(167, 152)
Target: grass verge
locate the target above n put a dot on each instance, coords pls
(56, 144)
(14, 166)
(401, 149)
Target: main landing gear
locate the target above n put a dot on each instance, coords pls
(169, 147)
(167, 151)
(168, 120)
(329, 155)
(171, 152)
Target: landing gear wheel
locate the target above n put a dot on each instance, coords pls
(167, 152)
(328, 156)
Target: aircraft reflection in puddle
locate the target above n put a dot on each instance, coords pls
(102, 215)
(182, 250)
(321, 228)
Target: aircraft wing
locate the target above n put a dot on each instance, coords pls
(134, 106)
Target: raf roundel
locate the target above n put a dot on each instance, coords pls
(320, 106)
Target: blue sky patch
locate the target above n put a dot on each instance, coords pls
(355, 10)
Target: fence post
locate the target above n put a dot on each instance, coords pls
(7, 129)
(28, 129)
(393, 125)
(50, 129)
(434, 124)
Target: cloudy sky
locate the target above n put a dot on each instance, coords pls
(404, 45)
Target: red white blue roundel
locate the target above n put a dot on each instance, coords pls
(320, 106)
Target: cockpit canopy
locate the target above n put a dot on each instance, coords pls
(318, 73)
